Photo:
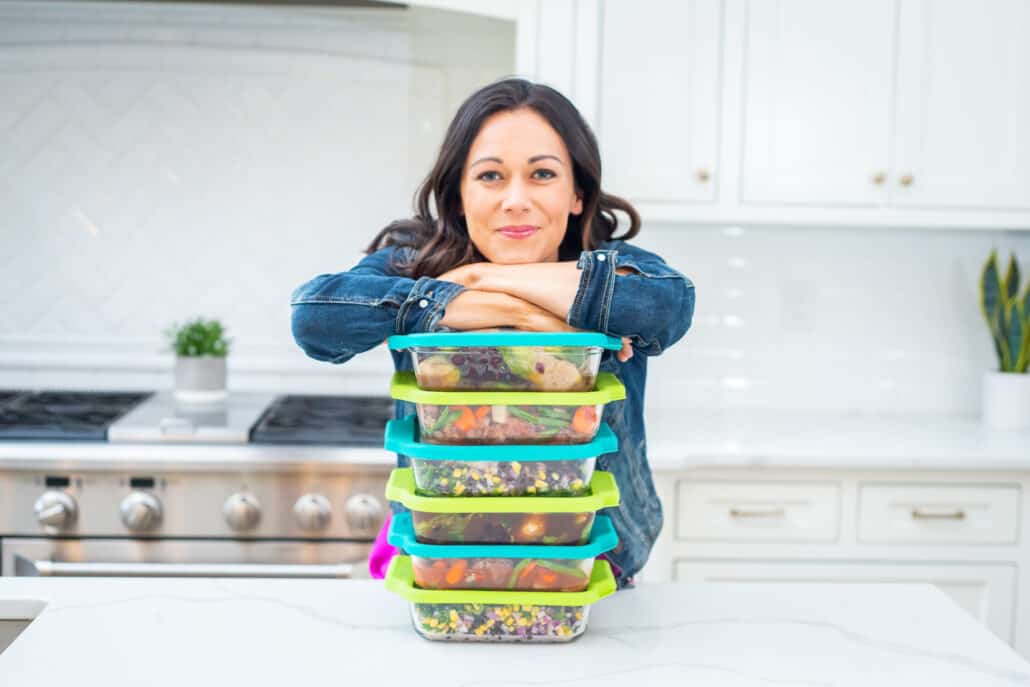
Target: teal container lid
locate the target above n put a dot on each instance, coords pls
(401, 436)
(602, 539)
(502, 338)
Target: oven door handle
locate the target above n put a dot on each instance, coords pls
(28, 568)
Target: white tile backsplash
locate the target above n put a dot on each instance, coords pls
(162, 161)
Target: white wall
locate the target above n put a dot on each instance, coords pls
(161, 161)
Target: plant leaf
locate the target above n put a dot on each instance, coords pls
(1010, 287)
(1014, 334)
(990, 304)
(1001, 343)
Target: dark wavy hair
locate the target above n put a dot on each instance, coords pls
(442, 243)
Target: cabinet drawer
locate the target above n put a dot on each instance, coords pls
(948, 514)
(758, 511)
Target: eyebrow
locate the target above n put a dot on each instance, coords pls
(535, 158)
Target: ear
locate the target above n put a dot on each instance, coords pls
(577, 205)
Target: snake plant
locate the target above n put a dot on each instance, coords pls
(1007, 314)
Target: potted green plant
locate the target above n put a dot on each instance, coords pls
(1006, 392)
(200, 349)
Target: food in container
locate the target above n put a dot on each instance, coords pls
(498, 616)
(503, 519)
(508, 417)
(506, 360)
(527, 568)
(498, 470)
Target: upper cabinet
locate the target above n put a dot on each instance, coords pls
(962, 137)
(816, 102)
(659, 106)
(876, 112)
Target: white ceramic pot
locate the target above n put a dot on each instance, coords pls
(200, 379)
(1006, 400)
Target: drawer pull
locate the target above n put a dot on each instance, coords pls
(953, 515)
(773, 513)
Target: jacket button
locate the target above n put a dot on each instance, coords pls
(600, 258)
(423, 303)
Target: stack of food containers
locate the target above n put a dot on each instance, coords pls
(503, 530)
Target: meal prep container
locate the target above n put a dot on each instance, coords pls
(498, 470)
(524, 361)
(508, 417)
(503, 519)
(524, 568)
(493, 616)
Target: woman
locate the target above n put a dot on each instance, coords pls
(523, 237)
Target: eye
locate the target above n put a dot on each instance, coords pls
(484, 176)
(546, 174)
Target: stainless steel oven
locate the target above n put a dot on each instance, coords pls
(302, 523)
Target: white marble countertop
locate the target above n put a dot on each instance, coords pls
(153, 633)
(676, 440)
(688, 439)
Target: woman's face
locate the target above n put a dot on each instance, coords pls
(517, 189)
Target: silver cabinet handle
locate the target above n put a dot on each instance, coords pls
(27, 568)
(771, 513)
(958, 514)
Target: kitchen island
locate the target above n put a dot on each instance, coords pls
(157, 632)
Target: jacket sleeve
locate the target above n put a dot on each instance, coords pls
(336, 316)
(653, 304)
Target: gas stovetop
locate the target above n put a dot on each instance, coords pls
(349, 420)
(143, 417)
(63, 415)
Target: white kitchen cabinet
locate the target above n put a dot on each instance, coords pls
(817, 102)
(858, 112)
(777, 523)
(735, 511)
(962, 134)
(659, 99)
(985, 591)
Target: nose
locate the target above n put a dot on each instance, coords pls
(516, 200)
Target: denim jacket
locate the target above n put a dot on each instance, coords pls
(337, 316)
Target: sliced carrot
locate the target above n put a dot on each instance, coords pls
(583, 420)
(457, 570)
(524, 575)
(466, 422)
(482, 411)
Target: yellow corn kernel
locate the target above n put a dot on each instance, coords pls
(458, 488)
(516, 467)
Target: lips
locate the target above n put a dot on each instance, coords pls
(519, 232)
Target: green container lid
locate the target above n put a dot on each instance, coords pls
(505, 339)
(404, 387)
(604, 493)
(400, 579)
(401, 437)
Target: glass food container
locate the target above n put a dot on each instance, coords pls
(508, 417)
(503, 519)
(498, 470)
(506, 360)
(496, 616)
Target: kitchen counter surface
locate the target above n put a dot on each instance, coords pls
(275, 632)
(676, 441)
(689, 439)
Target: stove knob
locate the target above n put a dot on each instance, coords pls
(55, 510)
(313, 511)
(242, 511)
(364, 512)
(141, 511)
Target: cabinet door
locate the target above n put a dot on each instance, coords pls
(659, 99)
(817, 94)
(986, 591)
(963, 115)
